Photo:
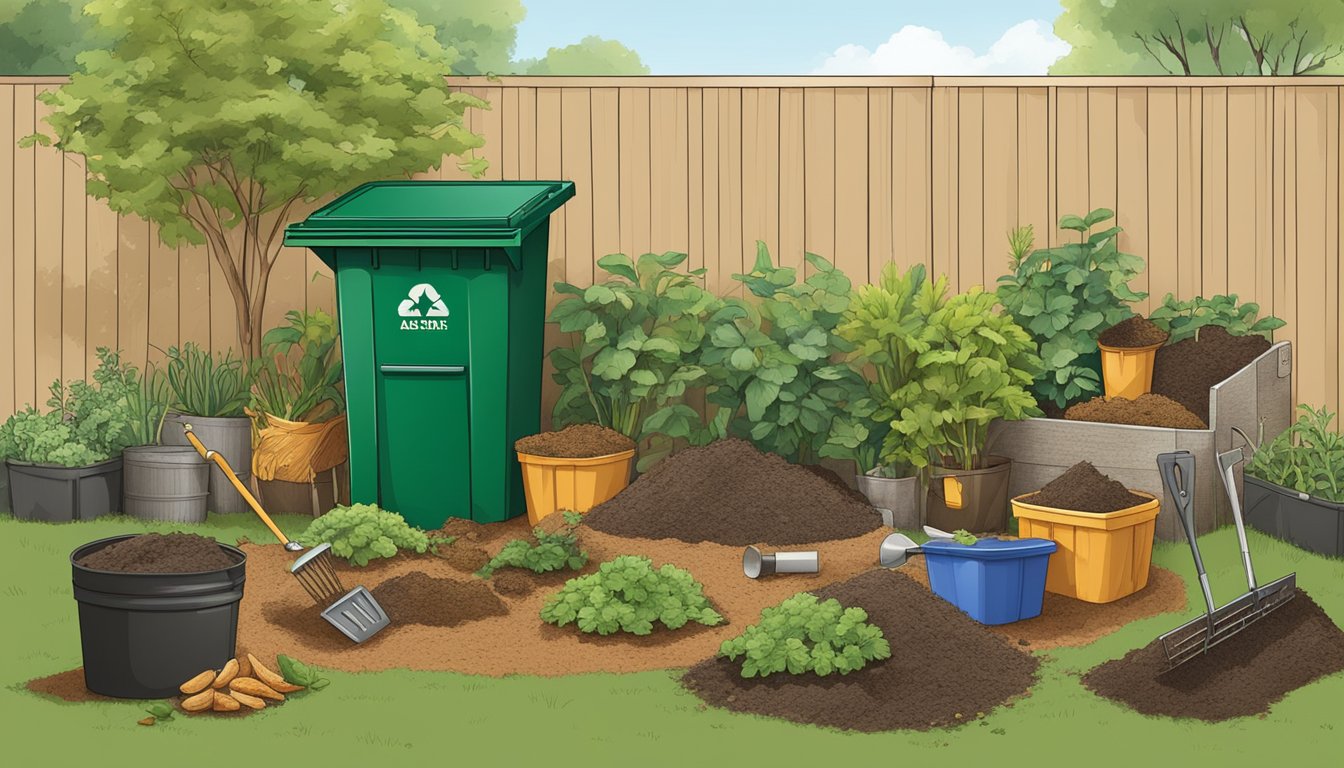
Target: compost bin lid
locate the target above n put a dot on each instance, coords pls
(990, 549)
(427, 214)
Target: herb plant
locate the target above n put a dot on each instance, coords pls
(963, 536)
(976, 366)
(298, 673)
(364, 532)
(633, 335)
(628, 594)
(551, 552)
(86, 423)
(147, 400)
(1308, 457)
(207, 385)
(802, 635)
(1183, 319)
(1065, 296)
(299, 374)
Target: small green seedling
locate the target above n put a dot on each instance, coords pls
(963, 536)
(298, 673)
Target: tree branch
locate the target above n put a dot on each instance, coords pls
(1158, 59)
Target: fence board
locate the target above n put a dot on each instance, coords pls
(26, 390)
(49, 194)
(8, 129)
(1131, 178)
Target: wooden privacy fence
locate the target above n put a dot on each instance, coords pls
(1221, 184)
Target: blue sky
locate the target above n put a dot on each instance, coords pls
(787, 37)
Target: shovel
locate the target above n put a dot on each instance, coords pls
(1196, 637)
(355, 613)
(898, 547)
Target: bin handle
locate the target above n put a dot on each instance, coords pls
(431, 369)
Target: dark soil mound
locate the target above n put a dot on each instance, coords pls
(944, 668)
(417, 598)
(464, 557)
(577, 441)
(730, 493)
(160, 553)
(1241, 676)
(1134, 332)
(1184, 371)
(1083, 489)
(1144, 411)
(470, 530)
(66, 686)
(512, 582)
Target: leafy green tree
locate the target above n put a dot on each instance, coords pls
(590, 56)
(182, 127)
(42, 37)
(1201, 37)
(482, 32)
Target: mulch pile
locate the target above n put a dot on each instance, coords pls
(417, 598)
(1084, 489)
(1144, 411)
(945, 668)
(730, 493)
(160, 553)
(463, 555)
(1184, 371)
(1244, 675)
(1134, 332)
(577, 441)
(513, 582)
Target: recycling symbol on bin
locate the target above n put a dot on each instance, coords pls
(423, 301)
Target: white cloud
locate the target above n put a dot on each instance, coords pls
(1026, 48)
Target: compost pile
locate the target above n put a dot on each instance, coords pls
(160, 553)
(1134, 332)
(944, 670)
(1084, 489)
(730, 493)
(577, 441)
(1144, 411)
(1185, 371)
(1245, 674)
(417, 598)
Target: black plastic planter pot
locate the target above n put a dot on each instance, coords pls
(1313, 524)
(144, 634)
(976, 500)
(60, 494)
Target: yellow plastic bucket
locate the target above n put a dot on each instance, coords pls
(1128, 371)
(552, 484)
(1101, 557)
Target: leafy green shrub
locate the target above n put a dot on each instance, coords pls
(363, 532)
(1065, 297)
(86, 424)
(1183, 319)
(976, 366)
(551, 552)
(884, 324)
(203, 385)
(147, 401)
(628, 594)
(299, 374)
(633, 335)
(803, 634)
(1307, 457)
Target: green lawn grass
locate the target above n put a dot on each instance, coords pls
(396, 717)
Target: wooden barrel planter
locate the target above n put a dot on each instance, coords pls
(165, 482)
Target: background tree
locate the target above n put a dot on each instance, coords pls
(42, 37)
(1201, 37)
(483, 33)
(590, 56)
(214, 118)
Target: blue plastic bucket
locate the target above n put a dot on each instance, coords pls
(993, 581)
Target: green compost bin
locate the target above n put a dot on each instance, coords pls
(441, 295)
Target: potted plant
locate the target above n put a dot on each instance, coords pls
(65, 464)
(211, 392)
(1294, 485)
(161, 482)
(1128, 351)
(575, 469)
(974, 365)
(884, 324)
(299, 410)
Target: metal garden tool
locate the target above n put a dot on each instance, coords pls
(755, 564)
(1197, 636)
(896, 549)
(355, 613)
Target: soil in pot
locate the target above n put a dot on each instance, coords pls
(1185, 371)
(1244, 675)
(944, 669)
(1131, 333)
(417, 598)
(1082, 488)
(160, 553)
(577, 441)
(1144, 411)
(730, 493)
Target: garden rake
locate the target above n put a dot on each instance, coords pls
(1196, 637)
(355, 613)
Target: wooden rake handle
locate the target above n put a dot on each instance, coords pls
(223, 464)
